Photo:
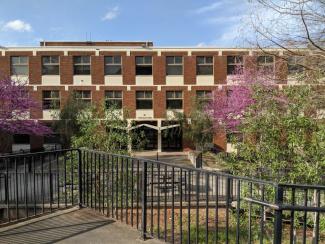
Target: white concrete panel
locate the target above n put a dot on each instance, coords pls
(20, 147)
(20, 78)
(114, 80)
(144, 113)
(82, 80)
(171, 114)
(205, 80)
(231, 148)
(51, 80)
(174, 80)
(144, 80)
(50, 114)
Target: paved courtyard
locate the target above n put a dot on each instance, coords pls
(72, 226)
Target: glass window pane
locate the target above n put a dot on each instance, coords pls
(50, 70)
(113, 70)
(204, 70)
(140, 94)
(148, 94)
(178, 94)
(86, 59)
(108, 60)
(77, 59)
(139, 60)
(19, 70)
(200, 60)
(209, 60)
(23, 60)
(55, 59)
(144, 104)
(170, 60)
(148, 59)
(178, 60)
(169, 94)
(174, 104)
(46, 59)
(117, 59)
(143, 70)
(174, 70)
(269, 59)
(82, 69)
(118, 94)
(15, 60)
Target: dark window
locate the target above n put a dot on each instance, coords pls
(81, 65)
(203, 96)
(52, 139)
(265, 63)
(51, 99)
(174, 65)
(21, 139)
(84, 96)
(50, 65)
(143, 65)
(295, 65)
(19, 65)
(144, 99)
(113, 65)
(174, 99)
(234, 63)
(113, 99)
(204, 65)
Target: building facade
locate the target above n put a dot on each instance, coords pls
(149, 82)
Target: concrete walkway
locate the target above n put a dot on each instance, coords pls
(76, 226)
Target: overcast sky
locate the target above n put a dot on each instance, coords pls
(165, 22)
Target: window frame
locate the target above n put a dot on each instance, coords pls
(114, 98)
(207, 97)
(51, 99)
(50, 64)
(234, 64)
(262, 66)
(107, 64)
(143, 65)
(205, 63)
(75, 64)
(144, 98)
(86, 100)
(174, 64)
(300, 67)
(20, 64)
(174, 98)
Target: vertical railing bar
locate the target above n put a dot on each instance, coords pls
(262, 216)
(42, 181)
(122, 188)
(103, 182)
(127, 193)
(116, 188)
(16, 189)
(158, 204)
(238, 212)
(65, 181)
(197, 206)
(181, 205)
(206, 207)
(34, 184)
(132, 190)
(165, 204)
(227, 207)
(173, 205)
(250, 213)
(137, 195)
(99, 182)
(216, 223)
(107, 189)
(304, 237)
(26, 189)
(95, 180)
(51, 182)
(292, 214)
(112, 187)
(151, 201)
(8, 191)
(189, 209)
(72, 178)
(58, 179)
(144, 201)
(316, 237)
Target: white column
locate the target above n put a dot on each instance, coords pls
(159, 136)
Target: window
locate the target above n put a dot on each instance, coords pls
(144, 99)
(50, 65)
(265, 63)
(203, 96)
(295, 65)
(174, 100)
(21, 139)
(84, 96)
(19, 65)
(174, 65)
(113, 65)
(81, 65)
(234, 63)
(113, 99)
(51, 99)
(204, 65)
(143, 65)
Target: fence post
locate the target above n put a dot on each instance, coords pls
(144, 201)
(278, 215)
(80, 177)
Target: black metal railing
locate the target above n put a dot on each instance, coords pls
(36, 183)
(173, 203)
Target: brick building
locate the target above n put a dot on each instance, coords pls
(150, 82)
